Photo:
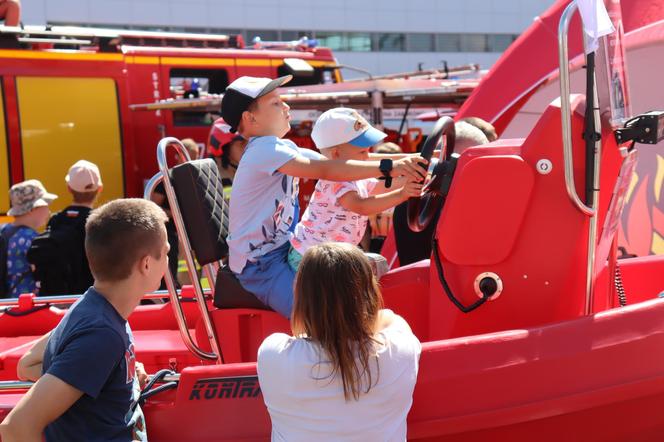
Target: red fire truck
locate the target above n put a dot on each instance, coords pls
(66, 95)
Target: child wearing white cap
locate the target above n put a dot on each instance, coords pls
(58, 255)
(338, 211)
(264, 201)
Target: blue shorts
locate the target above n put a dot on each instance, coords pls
(271, 278)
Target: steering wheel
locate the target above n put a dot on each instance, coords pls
(421, 210)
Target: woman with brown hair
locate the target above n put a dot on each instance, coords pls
(349, 370)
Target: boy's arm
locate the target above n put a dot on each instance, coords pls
(27, 421)
(351, 170)
(378, 203)
(30, 365)
(393, 156)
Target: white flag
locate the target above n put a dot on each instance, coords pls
(596, 22)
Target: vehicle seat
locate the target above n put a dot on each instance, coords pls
(201, 202)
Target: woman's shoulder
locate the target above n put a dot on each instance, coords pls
(396, 331)
(281, 352)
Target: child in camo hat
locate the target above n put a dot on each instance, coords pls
(29, 207)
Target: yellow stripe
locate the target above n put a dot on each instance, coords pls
(185, 61)
(75, 56)
(320, 63)
(143, 60)
(252, 62)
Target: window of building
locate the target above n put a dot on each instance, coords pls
(420, 42)
(264, 34)
(334, 40)
(499, 42)
(448, 42)
(294, 35)
(391, 42)
(473, 42)
(359, 42)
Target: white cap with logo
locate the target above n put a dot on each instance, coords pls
(343, 125)
(83, 176)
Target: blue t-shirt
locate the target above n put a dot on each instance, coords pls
(264, 206)
(92, 350)
(19, 274)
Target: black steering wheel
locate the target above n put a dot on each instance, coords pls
(423, 209)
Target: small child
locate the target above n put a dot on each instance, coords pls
(58, 254)
(29, 207)
(264, 205)
(89, 358)
(339, 211)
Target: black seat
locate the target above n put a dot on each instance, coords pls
(204, 211)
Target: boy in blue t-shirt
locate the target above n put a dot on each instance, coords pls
(89, 359)
(264, 206)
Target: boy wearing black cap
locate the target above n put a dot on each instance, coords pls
(264, 205)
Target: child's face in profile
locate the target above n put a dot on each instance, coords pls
(272, 116)
(349, 152)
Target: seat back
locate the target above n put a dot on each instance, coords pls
(204, 211)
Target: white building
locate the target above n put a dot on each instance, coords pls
(382, 36)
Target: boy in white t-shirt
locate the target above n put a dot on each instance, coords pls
(338, 211)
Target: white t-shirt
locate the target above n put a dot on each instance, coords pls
(306, 405)
(326, 220)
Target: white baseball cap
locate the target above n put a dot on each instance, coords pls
(83, 176)
(242, 92)
(344, 125)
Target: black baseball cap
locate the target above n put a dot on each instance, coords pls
(242, 92)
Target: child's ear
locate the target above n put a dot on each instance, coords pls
(248, 118)
(144, 265)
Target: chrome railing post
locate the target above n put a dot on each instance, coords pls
(172, 291)
(568, 158)
(184, 238)
(565, 109)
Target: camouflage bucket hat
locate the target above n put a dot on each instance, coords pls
(28, 195)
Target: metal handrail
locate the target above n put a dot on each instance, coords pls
(24, 385)
(184, 238)
(565, 109)
(172, 291)
(70, 299)
(566, 119)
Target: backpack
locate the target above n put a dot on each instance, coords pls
(58, 256)
(6, 232)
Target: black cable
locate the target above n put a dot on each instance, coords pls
(441, 276)
(590, 134)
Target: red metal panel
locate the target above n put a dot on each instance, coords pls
(13, 128)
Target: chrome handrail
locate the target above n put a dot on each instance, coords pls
(566, 121)
(70, 299)
(172, 291)
(184, 238)
(24, 385)
(565, 109)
